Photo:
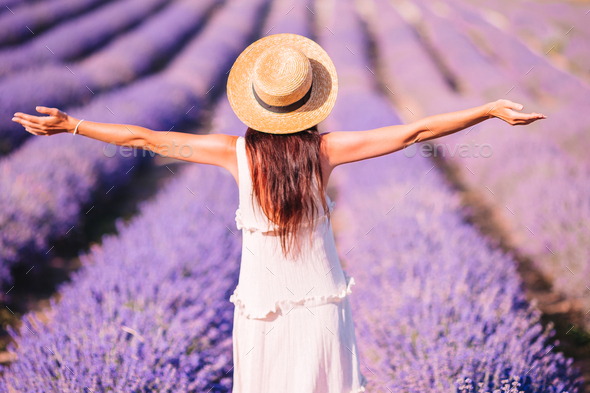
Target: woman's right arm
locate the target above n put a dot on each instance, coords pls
(213, 149)
(350, 146)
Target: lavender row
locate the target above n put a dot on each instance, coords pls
(517, 165)
(558, 29)
(149, 309)
(123, 61)
(78, 36)
(512, 174)
(51, 182)
(10, 3)
(564, 97)
(25, 20)
(532, 78)
(434, 302)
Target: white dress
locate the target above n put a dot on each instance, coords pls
(293, 329)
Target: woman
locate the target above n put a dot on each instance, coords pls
(293, 327)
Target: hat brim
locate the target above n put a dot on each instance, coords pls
(317, 108)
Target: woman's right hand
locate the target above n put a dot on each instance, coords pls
(57, 122)
(506, 110)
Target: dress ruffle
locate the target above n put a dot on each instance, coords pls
(272, 227)
(287, 305)
(240, 222)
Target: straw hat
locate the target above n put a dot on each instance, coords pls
(283, 83)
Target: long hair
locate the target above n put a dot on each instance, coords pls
(283, 170)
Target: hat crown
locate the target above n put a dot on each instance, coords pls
(282, 75)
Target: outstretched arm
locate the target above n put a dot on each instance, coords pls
(214, 149)
(351, 146)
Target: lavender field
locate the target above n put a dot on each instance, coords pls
(545, 159)
(443, 301)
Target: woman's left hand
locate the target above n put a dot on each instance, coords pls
(507, 110)
(57, 122)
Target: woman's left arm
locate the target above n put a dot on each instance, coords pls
(214, 149)
(443, 124)
(349, 146)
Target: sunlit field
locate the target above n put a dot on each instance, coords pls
(471, 253)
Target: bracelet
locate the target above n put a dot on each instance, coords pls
(76, 129)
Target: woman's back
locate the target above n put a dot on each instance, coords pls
(270, 281)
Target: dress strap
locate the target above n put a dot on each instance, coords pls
(244, 214)
(243, 167)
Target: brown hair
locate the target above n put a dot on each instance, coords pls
(283, 169)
